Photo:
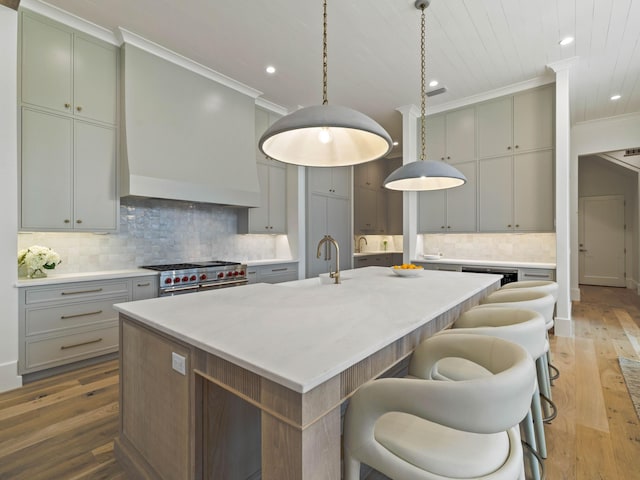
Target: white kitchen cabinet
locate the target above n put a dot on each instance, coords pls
(394, 202)
(67, 173)
(516, 193)
(328, 215)
(60, 324)
(517, 123)
(66, 71)
(450, 136)
(452, 210)
(444, 267)
(270, 216)
(377, 211)
(364, 210)
(334, 181)
(68, 132)
(276, 273)
(546, 274)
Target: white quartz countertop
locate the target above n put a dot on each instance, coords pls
(488, 263)
(300, 334)
(55, 278)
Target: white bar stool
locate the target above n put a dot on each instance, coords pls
(527, 329)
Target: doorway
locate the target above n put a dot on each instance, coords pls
(601, 226)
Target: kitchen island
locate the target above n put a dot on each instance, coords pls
(249, 382)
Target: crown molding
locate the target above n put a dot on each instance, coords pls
(273, 107)
(565, 64)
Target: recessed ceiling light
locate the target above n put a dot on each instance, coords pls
(566, 41)
(433, 83)
(615, 97)
(271, 69)
(395, 144)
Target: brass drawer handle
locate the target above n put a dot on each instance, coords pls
(279, 269)
(144, 284)
(81, 291)
(65, 317)
(536, 275)
(66, 347)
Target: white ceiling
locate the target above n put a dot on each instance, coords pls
(473, 47)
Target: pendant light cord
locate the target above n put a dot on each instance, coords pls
(324, 54)
(423, 88)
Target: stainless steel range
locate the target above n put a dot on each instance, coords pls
(179, 278)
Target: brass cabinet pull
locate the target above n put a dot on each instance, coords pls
(65, 317)
(144, 284)
(79, 108)
(66, 220)
(78, 292)
(78, 221)
(279, 269)
(536, 275)
(66, 347)
(67, 105)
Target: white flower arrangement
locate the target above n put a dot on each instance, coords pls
(36, 257)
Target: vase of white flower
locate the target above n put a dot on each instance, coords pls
(36, 260)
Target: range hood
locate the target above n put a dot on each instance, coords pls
(185, 136)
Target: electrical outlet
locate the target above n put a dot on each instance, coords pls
(178, 363)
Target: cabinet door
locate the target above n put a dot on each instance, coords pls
(95, 76)
(341, 181)
(431, 211)
(365, 210)
(533, 117)
(369, 174)
(95, 204)
(461, 202)
(319, 179)
(277, 199)
(381, 211)
(495, 128)
(46, 176)
(495, 194)
(262, 123)
(394, 202)
(461, 135)
(533, 191)
(46, 65)
(259, 216)
(339, 227)
(316, 229)
(434, 138)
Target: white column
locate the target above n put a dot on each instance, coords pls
(410, 115)
(9, 377)
(563, 323)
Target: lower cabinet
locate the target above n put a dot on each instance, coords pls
(377, 260)
(275, 273)
(64, 323)
(536, 274)
(445, 267)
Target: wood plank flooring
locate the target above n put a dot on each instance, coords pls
(63, 427)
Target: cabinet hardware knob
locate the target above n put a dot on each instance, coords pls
(517, 225)
(448, 226)
(441, 226)
(67, 105)
(448, 157)
(79, 108)
(517, 146)
(509, 147)
(66, 220)
(509, 225)
(78, 221)
(441, 158)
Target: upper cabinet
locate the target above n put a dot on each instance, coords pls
(271, 216)
(68, 72)
(68, 131)
(515, 124)
(450, 136)
(333, 181)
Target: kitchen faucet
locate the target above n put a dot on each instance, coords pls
(328, 239)
(365, 242)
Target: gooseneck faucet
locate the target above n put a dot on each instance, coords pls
(327, 241)
(365, 242)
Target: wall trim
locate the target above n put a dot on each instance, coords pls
(575, 294)
(273, 107)
(9, 379)
(563, 327)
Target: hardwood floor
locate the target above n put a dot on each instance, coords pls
(63, 427)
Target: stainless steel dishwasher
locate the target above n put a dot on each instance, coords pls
(508, 274)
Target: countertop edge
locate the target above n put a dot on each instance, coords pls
(56, 278)
(488, 263)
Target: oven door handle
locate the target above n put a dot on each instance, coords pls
(180, 289)
(210, 286)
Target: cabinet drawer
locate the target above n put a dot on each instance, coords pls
(64, 349)
(535, 274)
(76, 291)
(145, 287)
(278, 273)
(63, 317)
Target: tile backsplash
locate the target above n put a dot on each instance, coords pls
(526, 247)
(154, 231)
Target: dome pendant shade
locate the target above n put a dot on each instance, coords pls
(424, 175)
(325, 136)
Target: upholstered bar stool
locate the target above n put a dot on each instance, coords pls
(527, 329)
(547, 286)
(544, 304)
(415, 429)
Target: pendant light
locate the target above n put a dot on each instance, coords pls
(325, 135)
(424, 174)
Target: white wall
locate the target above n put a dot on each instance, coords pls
(9, 201)
(606, 135)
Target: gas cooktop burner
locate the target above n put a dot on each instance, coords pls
(185, 266)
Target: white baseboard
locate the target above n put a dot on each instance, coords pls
(9, 379)
(563, 327)
(575, 294)
(632, 284)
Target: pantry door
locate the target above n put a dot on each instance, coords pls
(601, 240)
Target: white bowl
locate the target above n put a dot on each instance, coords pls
(409, 272)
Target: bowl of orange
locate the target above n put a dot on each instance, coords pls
(407, 270)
